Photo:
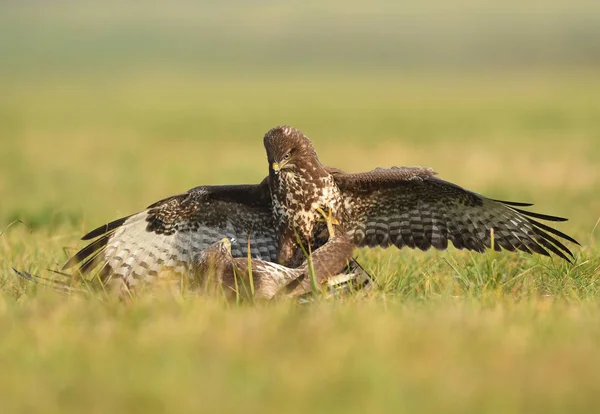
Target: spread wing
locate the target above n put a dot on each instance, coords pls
(411, 207)
(170, 234)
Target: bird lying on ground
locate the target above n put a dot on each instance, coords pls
(214, 270)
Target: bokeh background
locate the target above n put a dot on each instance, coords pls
(106, 107)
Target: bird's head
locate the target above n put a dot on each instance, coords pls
(224, 246)
(216, 255)
(288, 149)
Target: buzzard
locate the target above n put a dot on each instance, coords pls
(279, 217)
(269, 280)
(214, 269)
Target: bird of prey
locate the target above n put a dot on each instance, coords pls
(216, 267)
(215, 270)
(279, 217)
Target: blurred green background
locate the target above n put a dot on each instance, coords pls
(106, 107)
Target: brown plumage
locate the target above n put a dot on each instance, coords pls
(299, 184)
(395, 206)
(217, 268)
(215, 271)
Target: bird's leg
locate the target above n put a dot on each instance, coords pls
(329, 220)
(326, 261)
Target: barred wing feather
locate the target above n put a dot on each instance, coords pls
(170, 234)
(411, 207)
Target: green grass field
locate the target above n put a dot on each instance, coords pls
(442, 332)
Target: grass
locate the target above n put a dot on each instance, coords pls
(450, 355)
(450, 331)
(85, 139)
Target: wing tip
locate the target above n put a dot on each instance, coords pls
(90, 250)
(105, 228)
(514, 203)
(70, 263)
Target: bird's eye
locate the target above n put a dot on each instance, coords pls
(287, 156)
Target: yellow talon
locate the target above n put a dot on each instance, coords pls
(329, 219)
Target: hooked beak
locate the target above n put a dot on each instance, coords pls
(277, 167)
